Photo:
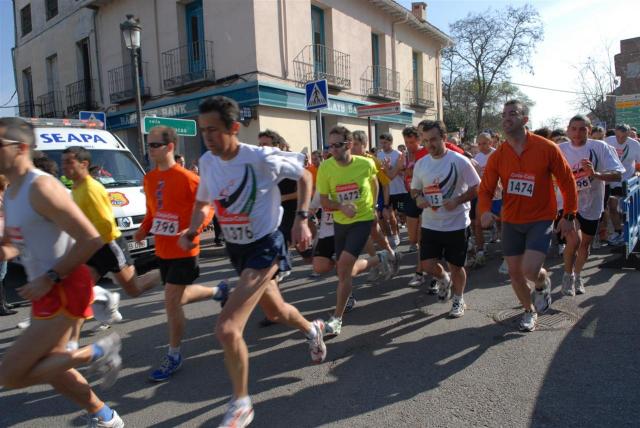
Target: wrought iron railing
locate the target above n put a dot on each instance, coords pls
(50, 105)
(420, 94)
(122, 87)
(316, 62)
(81, 95)
(380, 82)
(188, 65)
(27, 109)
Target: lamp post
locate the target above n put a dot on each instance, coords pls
(131, 33)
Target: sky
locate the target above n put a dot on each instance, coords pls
(574, 30)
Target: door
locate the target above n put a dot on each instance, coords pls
(317, 36)
(27, 92)
(375, 61)
(196, 58)
(417, 94)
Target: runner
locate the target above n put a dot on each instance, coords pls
(171, 192)
(443, 184)
(525, 164)
(53, 239)
(484, 151)
(241, 180)
(392, 163)
(628, 151)
(593, 163)
(348, 187)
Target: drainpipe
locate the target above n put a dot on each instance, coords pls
(285, 38)
(13, 52)
(393, 45)
(95, 35)
(158, 55)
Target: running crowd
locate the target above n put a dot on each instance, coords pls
(269, 203)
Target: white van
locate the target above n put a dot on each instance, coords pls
(112, 164)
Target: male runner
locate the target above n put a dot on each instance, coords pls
(525, 165)
(171, 192)
(593, 163)
(443, 184)
(392, 163)
(240, 179)
(53, 238)
(349, 188)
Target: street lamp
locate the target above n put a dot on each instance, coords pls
(131, 33)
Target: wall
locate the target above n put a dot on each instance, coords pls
(294, 126)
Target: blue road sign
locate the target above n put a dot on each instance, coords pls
(317, 95)
(94, 115)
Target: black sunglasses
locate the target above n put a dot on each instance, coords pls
(5, 142)
(156, 145)
(338, 145)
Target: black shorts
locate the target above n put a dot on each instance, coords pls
(397, 202)
(111, 257)
(588, 227)
(616, 191)
(351, 237)
(260, 254)
(410, 207)
(452, 245)
(474, 205)
(325, 247)
(183, 271)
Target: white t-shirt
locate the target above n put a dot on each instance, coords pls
(326, 222)
(440, 179)
(396, 187)
(629, 155)
(590, 190)
(482, 160)
(244, 189)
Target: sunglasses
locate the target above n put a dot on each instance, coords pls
(156, 145)
(5, 142)
(338, 145)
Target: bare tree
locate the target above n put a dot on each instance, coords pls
(596, 83)
(490, 44)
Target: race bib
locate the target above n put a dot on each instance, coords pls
(165, 224)
(433, 195)
(348, 192)
(521, 184)
(236, 229)
(582, 180)
(327, 217)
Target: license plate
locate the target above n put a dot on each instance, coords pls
(133, 245)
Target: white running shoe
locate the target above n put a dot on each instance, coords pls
(481, 259)
(374, 274)
(568, 287)
(528, 321)
(542, 297)
(317, 348)
(416, 281)
(237, 416)
(579, 285)
(561, 248)
(108, 365)
(332, 327)
(282, 275)
(444, 289)
(504, 268)
(115, 422)
(457, 308)
(386, 266)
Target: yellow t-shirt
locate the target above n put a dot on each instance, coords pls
(93, 200)
(382, 176)
(350, 183)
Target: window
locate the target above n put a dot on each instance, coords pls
(52, 8)
(27, 108)
(52, 73)
(25, 19)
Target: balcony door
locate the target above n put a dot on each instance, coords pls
(195, 38)
(375, 61)
(318, 40)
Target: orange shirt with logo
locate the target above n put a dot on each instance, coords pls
(528, 194)
(171, 195)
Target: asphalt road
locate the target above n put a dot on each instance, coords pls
(398, 362)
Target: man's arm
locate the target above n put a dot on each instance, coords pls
(145, 226)
(7, 250)
(397, 168)
(375, 189)
(566, 182)
(300, 232)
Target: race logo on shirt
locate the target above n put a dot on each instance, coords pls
(440, 191)
(234, 206)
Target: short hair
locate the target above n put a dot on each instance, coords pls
(580, 118)
(484, 135)
(558, 133)
(177, 156)
(284, 146)
(80, 153)
(168, 134)
(523, 107)
(410, 131)
(610, 132)
(316, 152)
(623, 127)
(269, 133)
(597, 129)
(18, 129)
(343, 132)
(634, 129)
(361, 137)
(545, 132)
(227, 109)
(47, 165)
(427, 125)
(386, 136)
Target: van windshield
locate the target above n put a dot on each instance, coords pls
(112, 168)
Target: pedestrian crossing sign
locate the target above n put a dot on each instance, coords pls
(316, 93)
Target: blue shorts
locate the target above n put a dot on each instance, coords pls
(260, 254)
(536, 236)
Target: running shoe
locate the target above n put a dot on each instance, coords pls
(568, 286)
(542, 297)
(282, 275)
(595, 244)
(222, 295)
(108, 365)
(412, 248)
(416, 281)
(317, 348)
(115, 422)
(385, 268)
(528, 321)
(481, 259)
(395, 264)
(374, 274)
(433, 287)
(457, 308)
(444, 289)
(332, 327)
(113, 304)
(579, 285)
(561, 249)
(168, 366)
(351, 303)
(237, 416)
(504, 268)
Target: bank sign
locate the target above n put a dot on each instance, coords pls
(628, 110)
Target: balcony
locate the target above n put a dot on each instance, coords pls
(380, 82)
(27, 109)
(81, 96)
(122, 86)
(51, 105)
(188, 66)
(316, 62)
(420, 94)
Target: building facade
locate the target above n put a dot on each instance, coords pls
(69, 56)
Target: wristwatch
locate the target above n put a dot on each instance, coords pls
(303, 214)
(569, 217)
(54, 276)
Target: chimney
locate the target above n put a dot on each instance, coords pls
(419, 10)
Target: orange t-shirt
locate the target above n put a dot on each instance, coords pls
(528, 194)
(171, 195)
(314, 172)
